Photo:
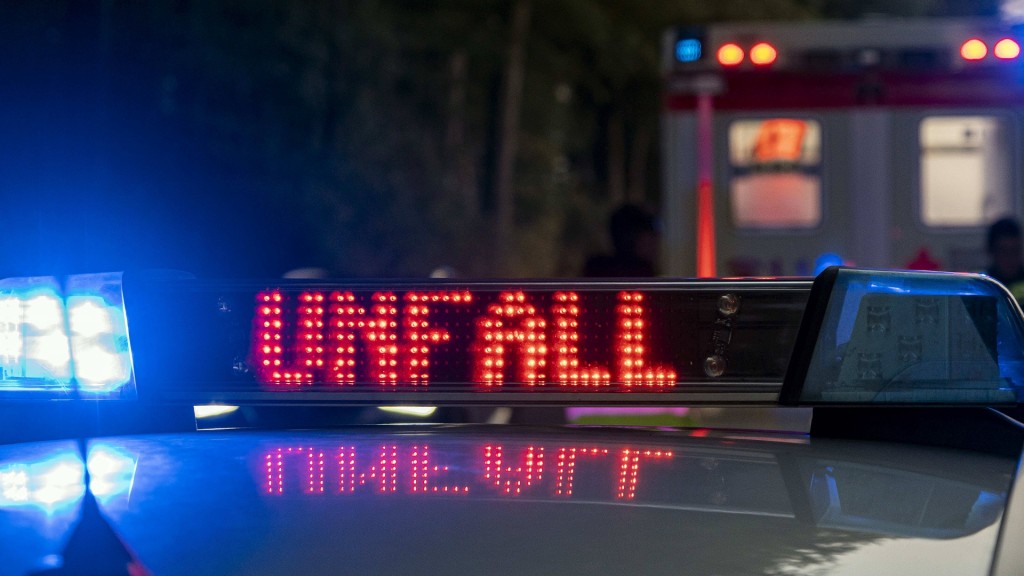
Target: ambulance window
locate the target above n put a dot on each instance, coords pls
(775, 180)
(965, 170)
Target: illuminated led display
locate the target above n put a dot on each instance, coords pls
(565, 316)
(538, 339)
(309, 343)
(631, 346)
(268, 349)
(511, 325)
(408, 343)
(421, 334)
(346, 320)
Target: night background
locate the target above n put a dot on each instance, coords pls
(367, 137)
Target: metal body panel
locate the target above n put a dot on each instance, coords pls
(870, 184)
(679, 206)
(1009, 559)
(474, 499)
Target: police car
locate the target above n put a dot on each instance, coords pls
(910, 465)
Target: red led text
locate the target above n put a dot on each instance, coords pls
(392, 338)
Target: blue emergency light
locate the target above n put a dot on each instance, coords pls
(853, 336)
(907, 338)
(65, 339)
(688, 50)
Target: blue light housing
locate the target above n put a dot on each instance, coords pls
(56, 341)
(907, 338)
(688, 50)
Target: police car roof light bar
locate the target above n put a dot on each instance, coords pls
(853, 337)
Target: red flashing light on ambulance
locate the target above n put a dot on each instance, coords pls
(1006, 49)
(730, 55)
(973, 49)
(763, 54)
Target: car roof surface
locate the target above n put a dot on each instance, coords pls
(485, 499)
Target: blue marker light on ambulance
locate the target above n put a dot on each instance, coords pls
(827, 260)
(688, 50)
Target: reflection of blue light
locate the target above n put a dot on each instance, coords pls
(52, 483)
(688, 50)
(111, 472)
(826, 260)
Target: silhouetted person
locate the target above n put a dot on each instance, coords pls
(1006, 259)
(634, 243)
